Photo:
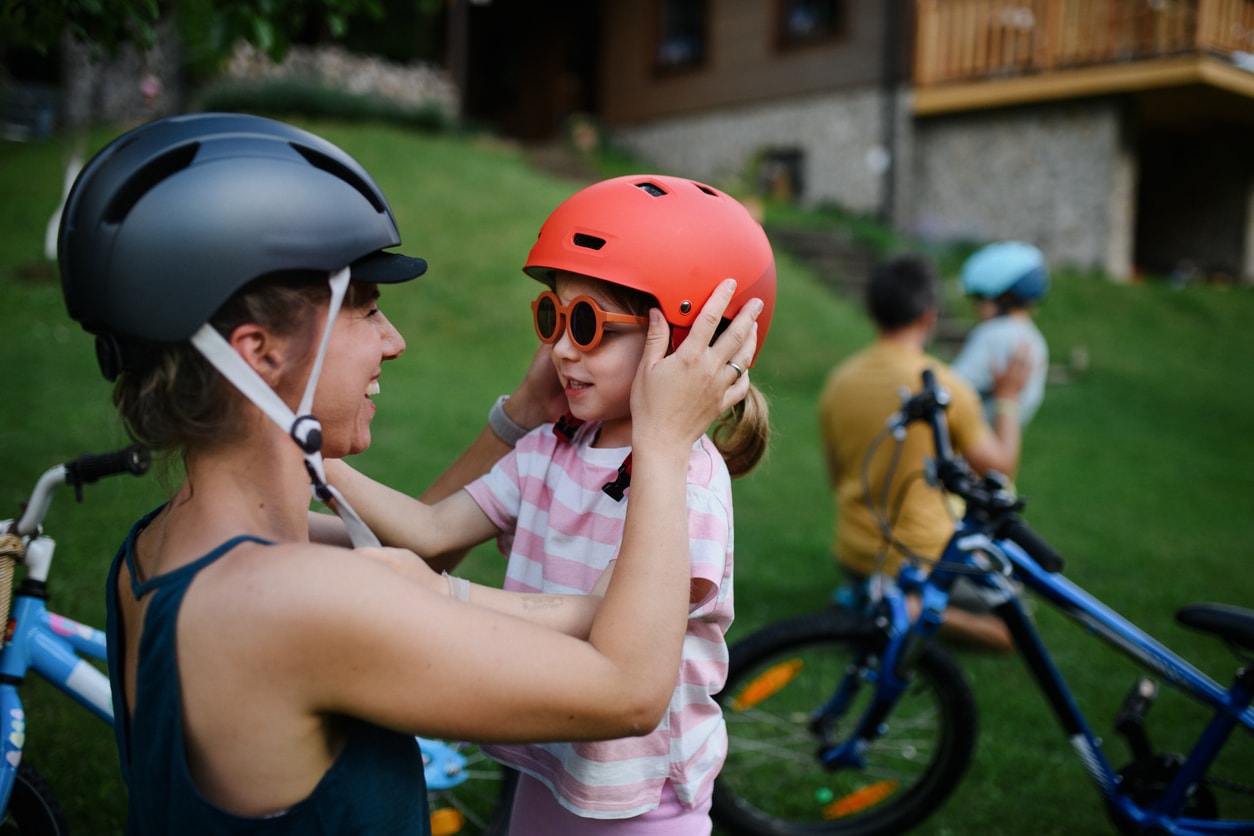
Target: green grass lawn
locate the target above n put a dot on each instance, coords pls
(1139, 470)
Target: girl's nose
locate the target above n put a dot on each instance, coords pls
(565, 347)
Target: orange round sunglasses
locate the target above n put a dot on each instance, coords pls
(585, 319)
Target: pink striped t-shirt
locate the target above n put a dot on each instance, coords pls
(559, 531)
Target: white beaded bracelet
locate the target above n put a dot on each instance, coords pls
(504, 426)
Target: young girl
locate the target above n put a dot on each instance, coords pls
(558, 502)
(229, 267)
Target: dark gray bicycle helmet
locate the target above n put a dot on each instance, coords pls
(169, 220)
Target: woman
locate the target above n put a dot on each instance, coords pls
(267, 684)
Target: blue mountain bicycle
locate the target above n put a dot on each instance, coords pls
(857, 722)
(469, 794)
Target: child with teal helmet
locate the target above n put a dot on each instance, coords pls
(1007, 280)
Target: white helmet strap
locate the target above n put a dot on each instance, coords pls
(301, 425)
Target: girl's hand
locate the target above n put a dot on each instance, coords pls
(676, 397)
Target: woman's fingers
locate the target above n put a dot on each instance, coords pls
(685, 391)
(739, 366)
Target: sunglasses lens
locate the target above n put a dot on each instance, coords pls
(546, 318)
(583, 324)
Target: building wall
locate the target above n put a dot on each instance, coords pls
(743, 63)
(1062, 176)
(837, 137)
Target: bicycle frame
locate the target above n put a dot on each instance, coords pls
(1232, 706)
(49, 644)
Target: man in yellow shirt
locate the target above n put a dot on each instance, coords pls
(873, 482)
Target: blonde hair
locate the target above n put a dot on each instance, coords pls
(741, 434)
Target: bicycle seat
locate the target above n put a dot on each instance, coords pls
(1230, 623)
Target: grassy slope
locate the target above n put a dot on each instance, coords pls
(1139, 470)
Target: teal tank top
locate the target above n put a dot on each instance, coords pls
(375, 786)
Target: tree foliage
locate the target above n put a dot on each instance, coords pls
(209, 28)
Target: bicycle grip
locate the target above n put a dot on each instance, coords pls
(1034, 544)
(89, 467)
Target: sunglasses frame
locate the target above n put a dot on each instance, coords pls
(562, 314)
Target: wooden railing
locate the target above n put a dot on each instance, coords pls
(969, 40)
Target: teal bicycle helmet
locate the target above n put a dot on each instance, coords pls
(1007, 268)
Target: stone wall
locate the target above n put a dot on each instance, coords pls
(1061, 176)
(412, 85)
(126, 88)
(834, 142)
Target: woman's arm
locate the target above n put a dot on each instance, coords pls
(568, 614)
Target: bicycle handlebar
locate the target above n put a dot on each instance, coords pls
(987, 499)
(1034, 544)
(84, 470)
(89, 467)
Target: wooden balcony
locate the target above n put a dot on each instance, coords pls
(972, 54)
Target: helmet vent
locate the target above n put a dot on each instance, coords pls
(651, 189)
(147, 177)
(322, 161)
(590, 242)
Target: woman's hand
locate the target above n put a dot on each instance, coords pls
(678, 396)
(539, 397)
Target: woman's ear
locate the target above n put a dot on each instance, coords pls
(261, 349)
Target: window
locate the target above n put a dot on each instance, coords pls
(800, 22)
(681, 39)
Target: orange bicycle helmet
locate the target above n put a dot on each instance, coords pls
(670, 237)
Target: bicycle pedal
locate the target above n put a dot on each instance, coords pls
(1130, 721)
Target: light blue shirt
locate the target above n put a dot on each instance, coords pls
(986, 353)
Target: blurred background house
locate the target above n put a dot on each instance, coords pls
(1116, 134)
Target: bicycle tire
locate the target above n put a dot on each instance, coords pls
(33, 807)
(479, 805)
(773, 782)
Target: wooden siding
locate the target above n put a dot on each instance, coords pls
(986, 53)
(743, 64)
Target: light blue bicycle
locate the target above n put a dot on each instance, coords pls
(51, 645)
(469, 794)
(856, 722)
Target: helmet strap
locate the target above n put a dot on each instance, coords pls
(302, 426)
(616, 488)
(565, 429)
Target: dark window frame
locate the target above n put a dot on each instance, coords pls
(831, 23)
(681, 36)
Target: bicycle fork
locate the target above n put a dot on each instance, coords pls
(890, 676)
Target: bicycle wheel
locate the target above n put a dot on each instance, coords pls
(773, 782)
(33, 808)
(476, 793)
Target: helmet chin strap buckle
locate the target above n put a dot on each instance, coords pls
(307, 433)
